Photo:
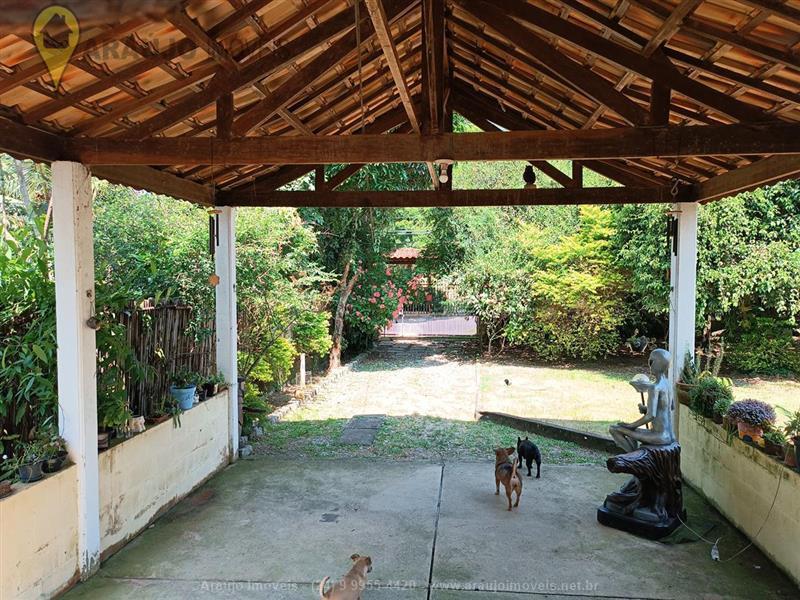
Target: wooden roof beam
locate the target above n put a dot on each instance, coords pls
(434, 65)
(202, 39)
(557, 65)
(312, 71)
(631, 142)
(17, 16)
(652, 68)
(516, 197)
(253, 70)
(762, 172)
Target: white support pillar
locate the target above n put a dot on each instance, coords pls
(683, 297)
(77, 363)
(226, 320)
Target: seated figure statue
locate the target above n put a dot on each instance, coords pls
(657, 411)
(651, 502)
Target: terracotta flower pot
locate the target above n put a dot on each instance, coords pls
(790, 458)
(753, 432)
(5, 489)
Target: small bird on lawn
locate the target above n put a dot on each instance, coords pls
(507, 382)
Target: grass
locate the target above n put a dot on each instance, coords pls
(412, 438)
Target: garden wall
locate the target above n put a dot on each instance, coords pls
(139, 480)
(146, 475)
(39, 537)
(740, 481)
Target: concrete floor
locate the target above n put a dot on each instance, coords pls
(272, 528)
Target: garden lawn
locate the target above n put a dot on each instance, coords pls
(412, 438)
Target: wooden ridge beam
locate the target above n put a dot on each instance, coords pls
(434, 65)
(601, 144)
(762, 172)
(517, 197)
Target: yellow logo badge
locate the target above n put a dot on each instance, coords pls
(56, 33)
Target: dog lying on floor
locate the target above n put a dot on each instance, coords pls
(351, 585)
(505, 471)
(530, 452)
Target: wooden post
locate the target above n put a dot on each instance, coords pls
(77, 385)
(683, 291)
(226, 325)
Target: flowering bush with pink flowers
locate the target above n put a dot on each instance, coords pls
(376, 300)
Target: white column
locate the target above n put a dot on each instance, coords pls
(682, 302)
(302, 369)
(226, 320)
(77, 384)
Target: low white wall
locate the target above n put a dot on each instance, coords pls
(39, 537)
(139, 479)
(741, 482)
(147, 474)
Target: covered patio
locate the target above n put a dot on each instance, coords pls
(273, 528)
(223, 102)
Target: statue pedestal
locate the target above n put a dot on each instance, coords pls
(651, 502)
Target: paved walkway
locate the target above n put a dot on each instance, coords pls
(435, 378)
(273, 527)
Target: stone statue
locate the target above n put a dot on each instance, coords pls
(657, 412)
(651, 502)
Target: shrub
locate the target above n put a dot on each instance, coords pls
(775, 436)
(722, 405)
(752, 412)
(765, 346)
(710, 391)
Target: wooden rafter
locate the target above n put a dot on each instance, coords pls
(199, 36)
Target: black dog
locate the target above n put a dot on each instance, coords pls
(530, 452)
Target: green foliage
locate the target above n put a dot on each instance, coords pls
(374, 301)
(310, 333)
(185, 379)
(765, 346)
(274, 367)
(775, 436)
(27, 327)
(710, 396)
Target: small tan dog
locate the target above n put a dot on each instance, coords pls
(352, 584)
(505, 471)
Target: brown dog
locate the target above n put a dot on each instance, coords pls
(352, 584)
(505, 470)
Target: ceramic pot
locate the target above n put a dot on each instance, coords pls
(184, 396)
(32, 472)
(103, 439)
(53, 465)
(753, 432)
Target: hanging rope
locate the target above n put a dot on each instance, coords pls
(360, 65)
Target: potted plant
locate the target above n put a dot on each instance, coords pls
(112, 413)
(183, 388)
(213, 384)
(32, 458)
(55, 454)
(706, 393)
(721, 406)
(8, 473)
(689, 376)
(792, 431)
(167, 408)
(751, 417)
(774, 443)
